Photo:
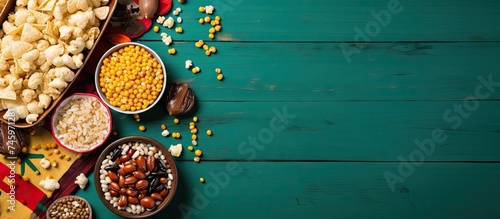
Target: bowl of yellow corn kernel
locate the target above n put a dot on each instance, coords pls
(130, 78)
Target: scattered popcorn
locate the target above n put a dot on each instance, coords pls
(179, 9)
(160, 19)
(49, 184)
(44, 163)
(179, 20)
(209, 9)
(175, 12)
(188, 64)
(169, 22)
(175, 150)
(165, 133)
(166, 39)
(81, 180)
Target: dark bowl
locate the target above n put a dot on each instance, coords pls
(141, 139)
(63, 199)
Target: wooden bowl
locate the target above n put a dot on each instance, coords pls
(9, 6)
(141, 139)
(48, 215)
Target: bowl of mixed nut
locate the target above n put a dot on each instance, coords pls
(135, 177)
(70, 206)
(130, 78)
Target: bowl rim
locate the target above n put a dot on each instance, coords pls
(170, 161)
(68, 196)
(65, 100)
(98, 70)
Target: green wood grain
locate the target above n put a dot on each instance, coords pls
(327, 20)
(320, 72)
(329, 130)
(331, 190)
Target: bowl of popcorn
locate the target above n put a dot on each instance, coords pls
(70, 206)
(130, 78)
(135, 177)
(81, 122)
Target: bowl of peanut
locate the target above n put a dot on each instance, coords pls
(130, 78)
(135, 177)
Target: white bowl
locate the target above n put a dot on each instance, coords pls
(98, 71)
(56, 118)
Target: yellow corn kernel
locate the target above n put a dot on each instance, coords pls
(194, 131)
(44, 146)
(194, 137)
(176, 120)
(68, 158)
(172, 51)
(156, 29)
(201, 20)
(142, 128)
(49, 153)
(195, 119)
(53, 146)
(34, 147)
(209, 132)
(207, 19)
(211, 36)
(201, 9)
(196, 159)
(202, 180)
(26, 178)
(197, 44)
(207, 53)
(56, 151)
(218, 28)
(136, 116)
(61, 156)
(205, 47)
(216, 22)
(163, 126)
(220, 77)
(212, 22)
(198, 153)
(24, 150)
(217, 18)
(212, 49)
(179, 30)
(211, 30)
(190, 148)
(217, 70)
(19, 161)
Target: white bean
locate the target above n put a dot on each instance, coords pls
(107, 194)
(108, 179)
(170, 176)
(112, 201)
(103, 181)
(169, 183)
(169, 171)
(128, 209)
(135, 155)
(150, 153)
(125, 149)
(101, 177)
(162, 157)
(107, 197)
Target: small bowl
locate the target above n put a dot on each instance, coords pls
(132, 139)
(56, 117)
(98, 71)
(64, 199)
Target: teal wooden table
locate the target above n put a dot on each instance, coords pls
(335, 109)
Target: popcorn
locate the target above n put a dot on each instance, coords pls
(49, 184)
(209, 9)
(169, 22)
(188, 64)
(160, 19)
(44, 163)
(166, 39)
(175, 150)
(81, 181)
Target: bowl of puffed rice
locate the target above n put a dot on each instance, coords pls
(81, 122)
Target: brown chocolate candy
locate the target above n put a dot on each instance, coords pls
(180, 99)
(11, 143)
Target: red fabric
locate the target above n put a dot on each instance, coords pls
(26, 193)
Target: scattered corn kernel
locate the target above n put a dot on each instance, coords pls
(217, 70)
(44, 146)
(212, 22)
(202, 180)
(218, 28)
(208, 53)
(197, 153)
(220, 77)
(24, 149)
(217, 18)
(176, 121)
(137, 120)
(209, 132)
(156, 29)
(56, 151)
(53, 146)
(201, 20)
(172, 51)
(142, 128)
(18, 160)
(196, 70)
(34, 147)
(205, 47)
(211, 36)
(212, 49)
(37, 172)
(194, 137)
(207, 19)
(190, 148)
(201, 9)
(196, 159)
(195, 119)
(179, 30)
(50, 153)
(68, 158)
(191, 124)
(194, 131)
(163, 126)
(26, 178)
(136, 116)
(61, 156)
(211, 30)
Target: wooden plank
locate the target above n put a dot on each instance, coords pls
(371, 130)
(337, 20)
(328, 190)
(320, 72)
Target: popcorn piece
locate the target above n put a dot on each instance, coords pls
(175, 150)
(44, 163)
(175, 12)
(165, 133)
(31, 118)
(169, 22)
(209, 9)
(188, 64)
(160, 19)
(81, 180)
(49, 184)
(166, 39)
